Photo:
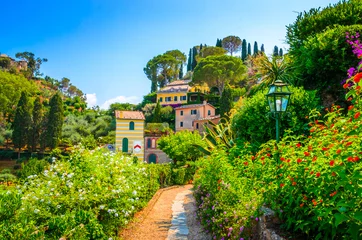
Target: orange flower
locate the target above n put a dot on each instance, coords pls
(338, 151)
(246, 163)
(325, 149)
(299, 160)
(357, 115)
(294, 183)
(357, 77)
(345, 85)
(298, 145)
(314, 159)
(349, 143)
(282, 185)
(331, 163)
(301, 205)
(350, 107)
(306, 154)
(318, 174)
(358, 88)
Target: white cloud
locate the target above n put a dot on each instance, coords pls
(91, 99)
(120, 99)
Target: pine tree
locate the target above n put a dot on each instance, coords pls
(189, 61)
(157, 113)
(280, 52)
(256, 50)
(55, 121)
(36, 125)
(276, 51)
(22, 123)
(243, 50)
(181, 71)
(249, 49)
(226, 101)
(194, 54)
(262, 48)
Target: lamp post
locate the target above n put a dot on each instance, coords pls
(278, 99)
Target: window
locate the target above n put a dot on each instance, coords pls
(181, 113)
(149, 143)
(183, 98)
(193, 112)
(160, 99)
(153, 143)
(131, 125)
(167, 99)
(181, 124)
(209, 112)
(175, 98)
(197, 125)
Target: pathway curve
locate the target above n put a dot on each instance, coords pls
(169, 215)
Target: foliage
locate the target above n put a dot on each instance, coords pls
(219, 71)
(228, 203)
(64, 199)
(120, 107)
(36, 123)
(226, 101)
(4, 62)
(212, 51)
(33, 167)
(10, 90)
(256, 49)
(177, 146)
(260, 129)
(231, 44)
(157, 113)
(6, 176)
(243, 50)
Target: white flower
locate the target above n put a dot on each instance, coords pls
(36, 210)
(134, 192)
(101, 206)
(116, 214)
(58, 206)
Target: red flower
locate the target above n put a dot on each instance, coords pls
(358, 88)
(350, 159)
(246, 163)
(357, 115)
(355, 159)
(314, 159)
(357, 77)
(294, 183)
(299, 160)
(268, 154)
(318, 174)
(301, 205)
(333, 193)
(345, 85)
(331, 163)
(282, 159)
(350, 107)
(298, 145)
(334, 174)
(252, 158)
(306, 154)
(338, 151)
(349, 143)
(282, 185)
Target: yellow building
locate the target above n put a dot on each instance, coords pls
(177, 91)
(130, 132)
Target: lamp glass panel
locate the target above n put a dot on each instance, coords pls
(278, 103)
(271, 89)
(271, 103)
(285, 100)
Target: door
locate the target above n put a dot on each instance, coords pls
(125, 145)
(152, 158)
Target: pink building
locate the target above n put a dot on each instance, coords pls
(188, 117)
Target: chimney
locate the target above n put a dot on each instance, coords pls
(204, 102)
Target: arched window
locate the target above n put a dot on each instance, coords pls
(149, 143)
(131, 125)
(125, 145)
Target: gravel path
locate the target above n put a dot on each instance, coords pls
(169, 215)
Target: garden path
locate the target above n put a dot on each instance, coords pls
(169, 215)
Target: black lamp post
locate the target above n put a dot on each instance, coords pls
(278, 99)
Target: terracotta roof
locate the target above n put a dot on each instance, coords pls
(193, 106)
(130, 115)
(176, 86)
(179, 82)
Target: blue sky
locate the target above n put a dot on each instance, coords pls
(102, 46)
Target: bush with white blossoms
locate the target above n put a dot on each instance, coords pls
(90, 196)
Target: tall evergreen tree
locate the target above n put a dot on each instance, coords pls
(262, 48)
(55, 121)
(22, 123)
(218, 43)
(36, 125)
(157, 113)
(226, 101)
(280, 52)
(194, 61)
(243, 50)
(181, 72)
(256, 50)
(200, 47)
(189, 61)
(276, 51)
(249, 49)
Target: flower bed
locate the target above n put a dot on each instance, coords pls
(88, 197)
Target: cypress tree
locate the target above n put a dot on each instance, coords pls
(194, 62)
(218, 43)
(22, 123)
(256, 50)
(189, 61)
(243, 50)
(249, 49)
(280, 52)
(181, 72)
(153, 86)
(226, 101)
(200, 47)
(276, 51)
(36, 125)
(262, 48)
(55, 121)
(157, 113)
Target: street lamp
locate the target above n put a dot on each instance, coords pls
(278, 99)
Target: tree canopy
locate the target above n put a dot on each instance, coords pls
(231, 44)
(33, 63)
(218, 71)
